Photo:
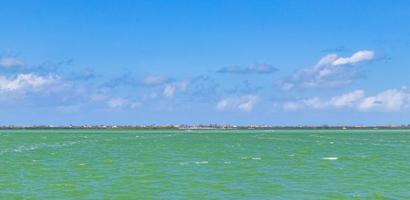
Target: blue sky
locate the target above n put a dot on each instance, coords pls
(201, 62)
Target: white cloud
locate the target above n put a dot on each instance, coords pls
(391, 100)
(243, 103)
(326, 60)
(359, 56)
(247, 106)
(170, 89)
(8, 62)
(155, 80)
(24, 82)
(330, 71)
(347, 100)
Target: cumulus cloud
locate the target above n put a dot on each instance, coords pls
(391, 100)
(47, 84)
(243, 103)
(9, 62)
(359, 56)
(330, 71)
(253, 69)
(26, 82)
(347, 100)
(171, 88)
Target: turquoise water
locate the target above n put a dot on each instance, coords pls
(302, 164)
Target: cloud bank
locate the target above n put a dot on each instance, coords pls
(27, 82)
(391, 100)
(330, 71)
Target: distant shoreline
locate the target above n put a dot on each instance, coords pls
(203, 127)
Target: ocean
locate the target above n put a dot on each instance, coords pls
(205, 164)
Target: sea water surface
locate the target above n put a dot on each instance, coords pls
(217, 164)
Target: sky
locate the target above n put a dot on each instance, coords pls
(204, 62)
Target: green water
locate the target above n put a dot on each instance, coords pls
(302, 164)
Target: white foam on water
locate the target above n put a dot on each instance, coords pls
(227, 162)
(24, 148)
(329, 158)
(331, 142)
(183, 163)
(201, 162)
(32, 147)
(250, 158)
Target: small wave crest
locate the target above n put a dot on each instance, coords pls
(329, 158)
